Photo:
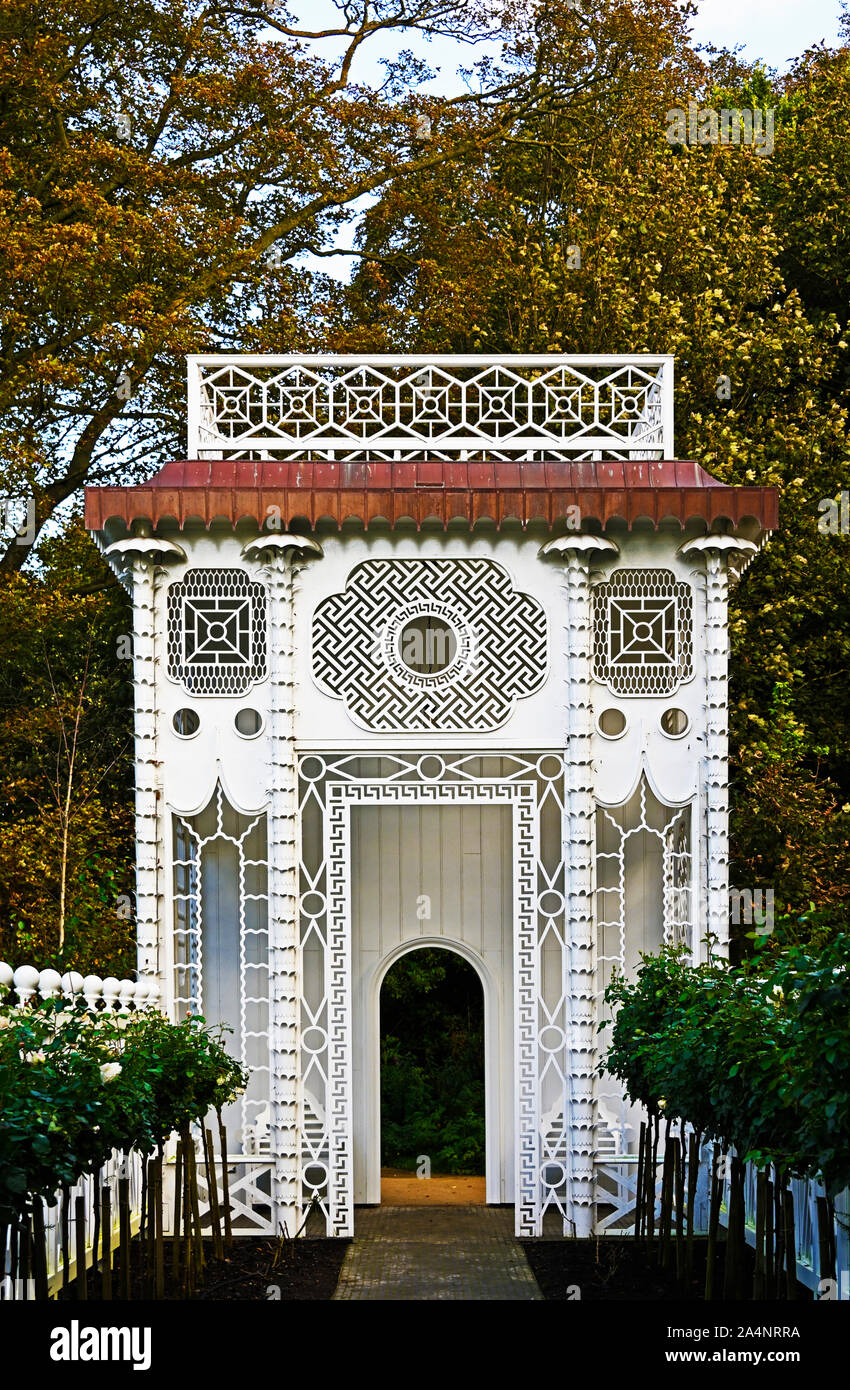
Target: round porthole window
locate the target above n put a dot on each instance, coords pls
(186, 722)
(249, 723)
(675, 723)
(427, 645)
(611, 723)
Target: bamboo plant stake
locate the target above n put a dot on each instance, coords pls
(769, 1272)
(95, 1239)
(194, 1205)
(639, 1183)
(124, 1236)
(779, 1235)
(666, 1202)
(790, 1245)
(212, 1191)
(146, 1241)
(694, 1143)
(735, 1237)
(225, 1183)
(25, 1256)
(653, 1171)
(200, 1256)
(713, 1224)
(826, 1238)
(80, 1244)
(39, 1249)
(178, 1195)
(761, 1230)
(679, 1175)
(65, 1219)
(14, 1233)
(188, 1246)
(106, 1229)
(159, 1245)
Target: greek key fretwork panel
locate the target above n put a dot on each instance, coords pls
(532, 785)
(429, 645)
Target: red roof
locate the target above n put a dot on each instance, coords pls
(230, 489)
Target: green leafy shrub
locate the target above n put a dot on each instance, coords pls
(76, 1085)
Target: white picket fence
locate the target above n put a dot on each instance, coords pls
(106, 995)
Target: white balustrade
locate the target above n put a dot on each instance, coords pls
(410, 407)
(113, 994)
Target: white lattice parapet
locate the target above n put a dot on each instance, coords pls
(442, 407)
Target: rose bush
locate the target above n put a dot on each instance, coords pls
(76, 1085)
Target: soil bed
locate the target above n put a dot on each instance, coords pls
(255, 1270)
(614, 1270)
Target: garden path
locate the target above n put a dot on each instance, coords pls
(429, 1253)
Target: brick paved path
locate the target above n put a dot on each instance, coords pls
(436, 1253)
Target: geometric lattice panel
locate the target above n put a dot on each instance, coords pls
(216, 632)
(643, 632)
(429, 645)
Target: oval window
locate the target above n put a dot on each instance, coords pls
(612, 723)
(427, 645)
(248, 723)
(186, 722)
(674, 723)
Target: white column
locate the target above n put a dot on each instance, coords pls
(149, 837)
(280, 554)
(715, 767)
(578, 843)
(144, 554)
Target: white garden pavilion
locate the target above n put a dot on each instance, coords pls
(426, 652)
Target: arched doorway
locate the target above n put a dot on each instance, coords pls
(432, 1080)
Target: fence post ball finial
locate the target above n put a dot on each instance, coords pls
(92, 989)
(49, 984)
(111, 989)
(26, 982)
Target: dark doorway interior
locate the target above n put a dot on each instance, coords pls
(432, 1064)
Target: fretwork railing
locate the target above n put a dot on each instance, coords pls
(434, 407)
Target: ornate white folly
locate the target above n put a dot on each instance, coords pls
(428, 651)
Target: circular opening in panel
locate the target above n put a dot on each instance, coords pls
(427, 645)
(248, 723)
(186, 722)
(674, 723)
(314, 1039)
(431, 767)
(612, 723)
